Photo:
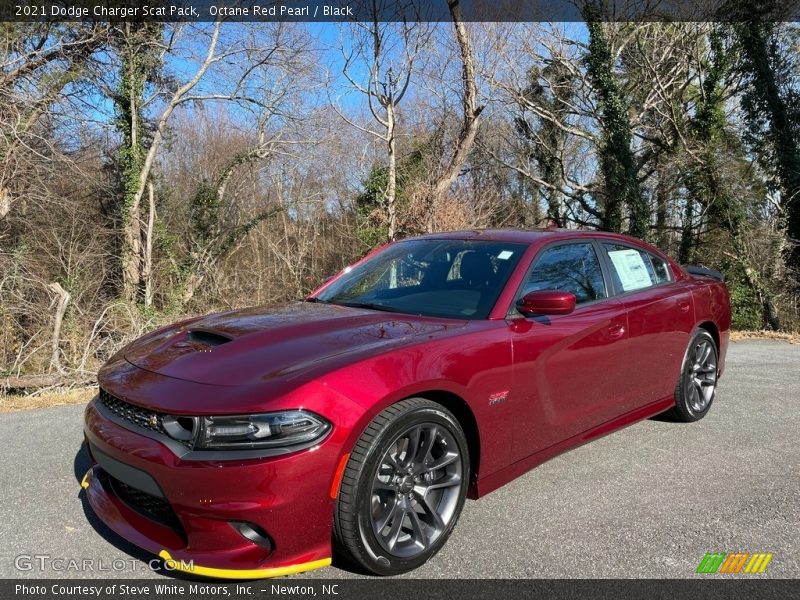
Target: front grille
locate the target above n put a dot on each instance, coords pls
(149, 506)
(142, 417)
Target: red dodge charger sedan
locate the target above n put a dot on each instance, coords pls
(254, 443)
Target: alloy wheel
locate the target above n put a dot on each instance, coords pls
(416, 490)
(702, 379)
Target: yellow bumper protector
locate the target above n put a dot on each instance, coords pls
(188, 567)
(85, 480)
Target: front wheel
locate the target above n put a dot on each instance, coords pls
(698, 381)
(403, 488)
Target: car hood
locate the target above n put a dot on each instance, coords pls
(262, 344)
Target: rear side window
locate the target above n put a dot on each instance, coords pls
(570, 268)
(659, 269)
(634, 269)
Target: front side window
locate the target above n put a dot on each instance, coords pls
(443, 278)
(570, 268)
(634, 269)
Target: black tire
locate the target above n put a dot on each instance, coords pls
(375, 487)
(696, 388)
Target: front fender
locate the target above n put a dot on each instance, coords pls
(476, 368)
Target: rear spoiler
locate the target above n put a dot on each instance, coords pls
(704, 272)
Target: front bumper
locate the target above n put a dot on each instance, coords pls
(288, 497)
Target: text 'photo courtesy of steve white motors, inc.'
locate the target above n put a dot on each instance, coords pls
(177, 590)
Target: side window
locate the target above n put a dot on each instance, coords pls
(660, 269)
(634, 269)
(571, 268)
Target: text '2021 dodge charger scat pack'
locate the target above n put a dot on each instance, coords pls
(253, 443)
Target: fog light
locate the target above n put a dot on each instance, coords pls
(252, 532)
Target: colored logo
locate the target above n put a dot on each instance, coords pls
(734, 562)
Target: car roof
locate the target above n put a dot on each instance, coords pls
(526, 236)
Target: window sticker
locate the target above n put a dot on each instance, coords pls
(505, 255)
(631, 269)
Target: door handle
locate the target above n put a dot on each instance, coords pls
(684, 306)
(616, 331)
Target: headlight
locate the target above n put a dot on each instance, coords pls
(268, 430)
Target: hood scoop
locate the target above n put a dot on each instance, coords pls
(204, 338)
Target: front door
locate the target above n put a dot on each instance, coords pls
(569, 370)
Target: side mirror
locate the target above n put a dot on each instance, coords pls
(546, 302)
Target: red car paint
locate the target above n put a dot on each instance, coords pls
(523, 390)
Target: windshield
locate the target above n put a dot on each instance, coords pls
(440, 278)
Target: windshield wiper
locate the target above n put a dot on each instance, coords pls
(367, 305)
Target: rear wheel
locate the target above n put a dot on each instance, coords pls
(698, 381)
(403, 487)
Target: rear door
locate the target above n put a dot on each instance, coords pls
(569, 370)
(660, 320)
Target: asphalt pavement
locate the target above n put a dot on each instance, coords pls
(648, 501)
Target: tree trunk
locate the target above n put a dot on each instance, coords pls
(469, 125)
(391, 177)
(190, 287)
(131, 251)
(685, 252)
(62, 300)
(662, 236)
(147, 267)
(39, 381)
(131, 255)
(620, 177)
(5, 201)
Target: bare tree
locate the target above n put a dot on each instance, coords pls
(283, 76)
(235, 57)
(379, 60)
(471, 111)
(60, 300)
(38, 61)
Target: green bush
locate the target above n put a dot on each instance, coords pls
(746, 310)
